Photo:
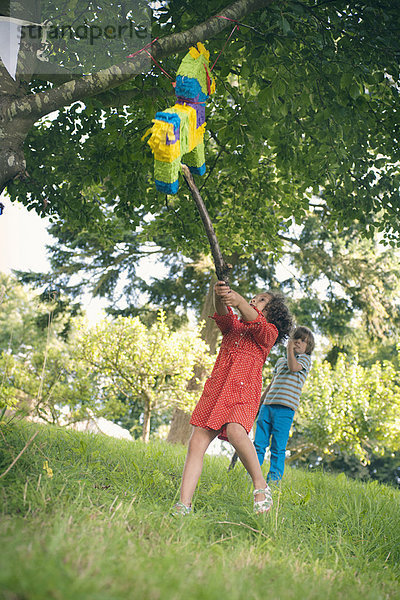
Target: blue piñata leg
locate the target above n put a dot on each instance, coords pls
(195, 160)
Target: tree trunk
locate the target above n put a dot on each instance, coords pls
(180, 429)
(146, 422)
(210, 331)
(12, 159)
(12, 132)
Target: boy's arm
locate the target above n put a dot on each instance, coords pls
(293, 363)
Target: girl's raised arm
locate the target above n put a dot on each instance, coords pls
(232, 298)
(221, 291)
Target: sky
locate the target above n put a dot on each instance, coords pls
(23, 239)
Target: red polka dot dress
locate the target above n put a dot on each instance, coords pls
(232, 392)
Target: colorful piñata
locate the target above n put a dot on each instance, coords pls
(178, 132)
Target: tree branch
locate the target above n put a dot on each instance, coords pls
(45, 102)
(120, 98)
(20, 454)
(221, 267)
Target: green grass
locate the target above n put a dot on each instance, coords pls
(100, 528)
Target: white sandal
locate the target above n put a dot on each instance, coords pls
(179, 509)
(262, 506)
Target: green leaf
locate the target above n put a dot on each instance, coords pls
(354, 90)
(285, 25)
(346, 80)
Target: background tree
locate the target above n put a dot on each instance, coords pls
(25, 315)
(38, 368)
(149, 366)
(51, 384)
(121, 369)
(347, 410)
(343, 286)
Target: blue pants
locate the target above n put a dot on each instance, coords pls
(273, 423)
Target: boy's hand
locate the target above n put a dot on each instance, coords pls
(293, 363)
(290, 344)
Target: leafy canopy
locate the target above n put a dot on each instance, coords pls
(306, 103)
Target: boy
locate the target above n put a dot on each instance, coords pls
(281, 399)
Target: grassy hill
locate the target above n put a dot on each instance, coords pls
(94, 524)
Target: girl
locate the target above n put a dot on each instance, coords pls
(230, 399)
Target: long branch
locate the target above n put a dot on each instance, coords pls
(221, 267)
(19, 455)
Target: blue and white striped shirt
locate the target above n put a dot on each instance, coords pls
(286, 385)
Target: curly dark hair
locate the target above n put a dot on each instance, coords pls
(278, 314)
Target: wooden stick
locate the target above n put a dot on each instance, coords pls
(221, 267)
(20, 454)
(235, 455)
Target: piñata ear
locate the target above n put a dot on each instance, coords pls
(202, 50)
(194, 53)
